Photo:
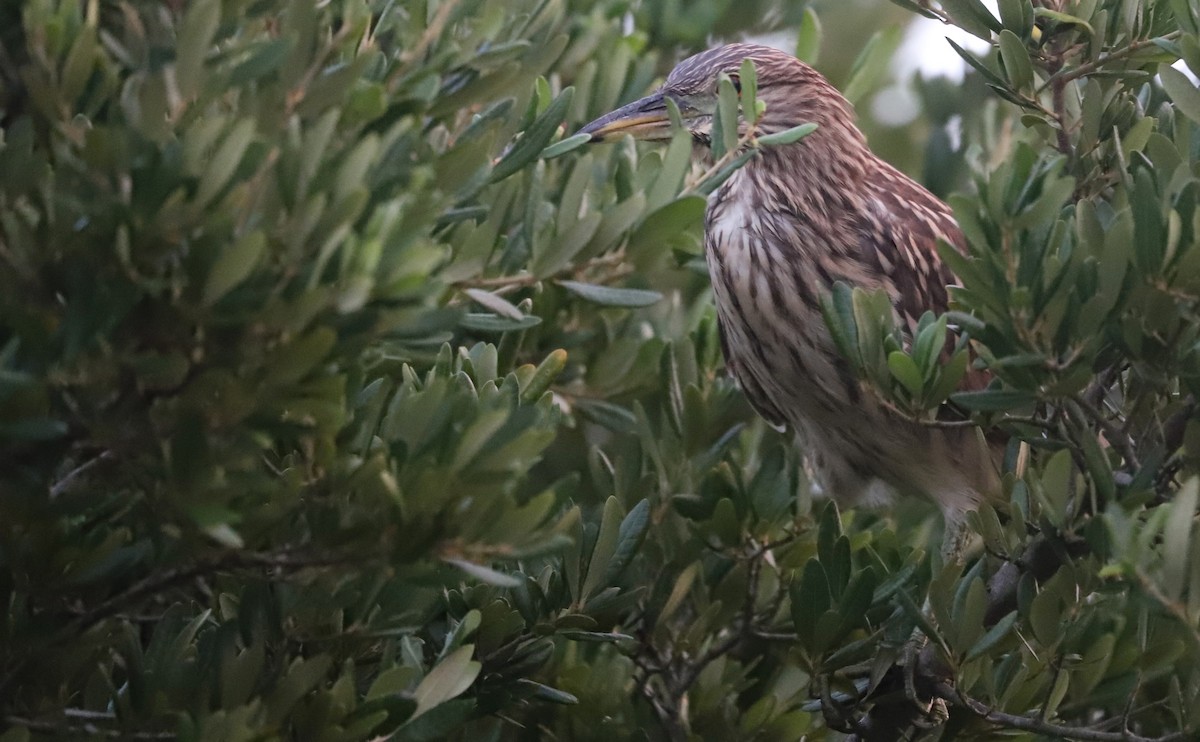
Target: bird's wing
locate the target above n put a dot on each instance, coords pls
(755, 394)
(899, 242)
(899, 237)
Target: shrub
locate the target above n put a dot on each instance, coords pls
(342, 396)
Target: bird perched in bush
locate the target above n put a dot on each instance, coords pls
(779, 233)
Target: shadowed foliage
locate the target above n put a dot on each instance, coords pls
(345, 395)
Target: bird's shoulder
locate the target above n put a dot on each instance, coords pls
(899, 230)
(911, 222)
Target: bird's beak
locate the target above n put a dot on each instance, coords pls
(643, 119)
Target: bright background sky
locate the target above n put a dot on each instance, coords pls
(924, 50)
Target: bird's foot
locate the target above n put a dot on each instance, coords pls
(918, 679)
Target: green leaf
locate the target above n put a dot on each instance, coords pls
(1056, 485)
(808, 37)
(922, 620)
(545, 374)
(1182, 91)
(498, 304)
(16, 733)
(1015, 18)
(570, 144)
(437, 724)
(1098, 466)
(872, 62)
(839, 567)
(546, 693)
(665, 225)
(714, 181)
(993, 400)
(837, 308)
(810, 598)
(1016, 61)
(485, 574)
(595, 636)
(928, 346)
(1045, 617)
(857, 597)
(748, 77)
(629, 540)
(1065, 18)
(234, 265)
(914, 7)
(725, 122)
(612, 416)
(353, 168)
(192, 44)
(606, 546)
(1177, 539)
(492, 323)
(566, 246)
(1189, 47)
(34, 429)
(302, 676)
(976, 64)
(81, 60)
(787, 136)
(262, 61)
(534, 139)
(449, 679)
(972, 16)
(993, 636)
(905, 371)
(224, 162)
(969, 615)
(611, 297)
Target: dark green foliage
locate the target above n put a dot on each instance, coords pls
(343, 395)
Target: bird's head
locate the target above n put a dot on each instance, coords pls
(793, 92)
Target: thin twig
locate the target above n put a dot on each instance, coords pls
(1034, 724)
(164, 579)
(957, 424)
(1088, 68)
(433, 32)
(1058, 97)
(79, 731)
(1176, 609)
(775, 636)
(611, 260)
(1115, 436)
(64, 484)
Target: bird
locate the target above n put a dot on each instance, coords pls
(778, 235)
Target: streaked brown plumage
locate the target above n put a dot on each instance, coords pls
(778, 234)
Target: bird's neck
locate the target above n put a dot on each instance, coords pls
(824, 176)
(823, 167)
(799, 206)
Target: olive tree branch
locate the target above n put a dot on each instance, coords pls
(81, 731)
(1074, 73)
(287, 560)
(1173, 607)
(1037, 725)
(1117, 438)
(613, 261)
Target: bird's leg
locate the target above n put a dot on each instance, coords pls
(955, 538)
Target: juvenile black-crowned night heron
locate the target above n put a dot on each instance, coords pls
(778, 234)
